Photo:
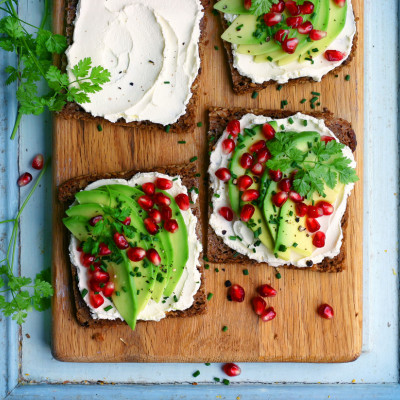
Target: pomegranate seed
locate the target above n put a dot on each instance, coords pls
(171, 225)
(96, 300)
(315, 212)
(250, 195)
(246, 160)
(289, 45)
(79, 247)
(334, 55)
(296, 197)
(263, 155)
(231, 369)
(236, 293)
(151, 226)
(38, 161)
(301, 209)
(161, 199)
(24, 179)
(279, 199)
(292, 7)
(327, 139)
(226, 212)
(267, 129)
(165, 214)
(182, 200)
(153, 256)
(285, 185)
(266, 291)
(279, 36)
(278, 8)
(340, 3)
(93, 221)
(127, 221)
(312, 225)
(315, 34)
(294, 22)
(228, 146)
(319, 239)
(223, 174)
(87, 259)
(276, 176)
(257, 146)
(136, 254)
(307, 8)
(272, 19)
(164, 184)
(269, 314)
(244, 182)
(156, 215)
(120, 241)
(327, 208)
(101, 276)
(149, 188)
(108, 289)
(293, 174)
(305, 28)
(257, 169)
(259, 305)
(95, 286)
(247, 212)
(233, 128)
(104, 250)
(247, 4)
(146, 202)
(325, 311)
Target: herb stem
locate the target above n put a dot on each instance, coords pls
(46, 14)
(16, 125)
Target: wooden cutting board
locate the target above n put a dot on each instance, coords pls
(297, 334)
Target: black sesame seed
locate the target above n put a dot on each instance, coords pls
(228, 283)
(309, 263)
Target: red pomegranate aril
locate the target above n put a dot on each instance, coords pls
(279, 36)
(96, 300)
(24, 179)
(295, 197)
(294, 22)
(279, 199)
(104, 250)
(327, 139)
(151, 226)
(305, 28)
(120, 241)
(266, 291)
(263, 155)
(93, 221)
(257, 169)
(257, 146)
(87, 259)
(226, 213)
(292, 7)
(258, 304)
(325, 311)
(146, 202)
(244, 182)
(156, 215)
(101, 276)
(267, 129)
(334, 55)
(38, 161)
(289, 45)
(312, 225)
(315, 212)
(247, 212)
(108, 289)
(231, 369)
(276, 176)
(136, 254)
(149, 188)
(285, 185)
(319, 239)
(165, 214)
(233, 128)
(250, 195)
(246, 161)
(327, 208)
(315, 34)
(183, 202)
(268, 315)
(278, 8)
(164, 184)
(171, 225)
(161, 199)
(153, 256)
(236, 293)
(340, 3)
(307, 7)
(301, 209)
(247, 4)
(272, 19)
(223, 174)
(127, 221)
(93, 285)
(228, 145)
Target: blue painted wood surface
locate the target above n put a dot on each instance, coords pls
(377, 365)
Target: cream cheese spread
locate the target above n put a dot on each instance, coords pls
(189, 282)
(330, 225)
(150, 47)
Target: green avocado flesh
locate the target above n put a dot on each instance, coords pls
(136, 283)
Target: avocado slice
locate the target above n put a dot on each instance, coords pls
(231, 7)
(241, 31)
(88, 210)
(78, 226)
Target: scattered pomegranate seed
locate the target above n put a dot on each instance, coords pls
(24, 179)
(38, 162)
(164, 184)
(247, 4)
(266, 291)
(226, 212)
(104, 250)
(93, 285)
(293, 175)
(247, 212)
(136, 254)
(263, 155)
(312, 225)
(279, 199)
(257, 169)
(250, 195)
(101, 276)
(272, 19)
(231, 369)
(292, 7)
(289, 45)
(325, 311)
(340, 3)
(334, 55)
(305, 28)
(278, 8)
(246, 160)
(276, 176)
(267, 129)
(327, 208)
(153, 256)
(315, 212)
(161, 199)
(257, 146)
(120, 241)
(327, 139)
(294, 22)
(156, 215)
(269, 314)
(93, 221)
(96, 300)
(244, 182)
(258, 304)
(165, 214)
(87, 259)
(171, 225)
(296, 197)
(319, 239)
(279, 36)
(315, 34)
(223, 174)
(285, 185)
(127, 221)
(108, 289)
(307, 8)
(301, 209)
(149, 188)
(233, 128)
(236, 293)
(183, 202)
(146, 202)
(228, 145)
(151, 226)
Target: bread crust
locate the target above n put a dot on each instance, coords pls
(216, 250)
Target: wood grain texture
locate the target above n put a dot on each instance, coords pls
(297, 334)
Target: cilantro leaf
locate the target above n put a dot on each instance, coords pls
(81, 69)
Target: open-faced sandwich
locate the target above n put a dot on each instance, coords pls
(152, 48)
(274, 41)
(279, 187)
(134, 246)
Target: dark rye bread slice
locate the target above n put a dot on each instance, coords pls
(185, 123)
(66, 193)
(217, 251)
(242, 84)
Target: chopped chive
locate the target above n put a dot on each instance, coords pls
(217, 195)
(315, 50)
(205, 258)
(175, 298)
(167, 128)
(291, 120)
(215, 12)
(197, 175)
(99, 128)
(305, 122)
(216, 270)
(96, 292)
(254, 95)
(193, 159)
(347, 77)
(269, 58)
(316, 93)
(232, 237)
(245, 272)
(209, 296)
(181, 141)
(108, 308)
(124, 289)
(207, 364)
(302, 101)
(290, 213)
(224, 328)
(283, 104)
(207, 266)
(217, 380)
(199, 124)
(278, 275)
(314, 99)
(295, 244)
(196, 374)
(84, 292)
(167, 82)
(117, 293)
(216, 47)
(279, 87)
(226, 381)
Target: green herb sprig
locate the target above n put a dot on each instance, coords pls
(260, 7)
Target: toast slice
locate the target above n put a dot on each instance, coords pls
(216, 250)
(185, 123)
(66, 193)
